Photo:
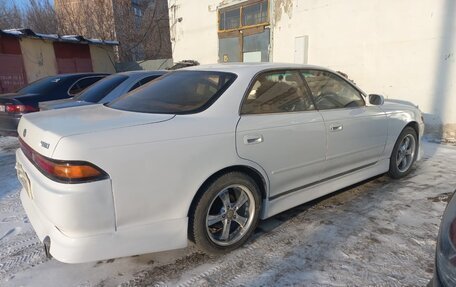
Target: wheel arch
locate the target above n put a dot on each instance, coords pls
(248, 170)
(415, 126)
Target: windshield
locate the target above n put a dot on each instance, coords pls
(100, 89)
(41, 86)
(179, 92)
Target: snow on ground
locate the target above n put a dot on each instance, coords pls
(378, 233)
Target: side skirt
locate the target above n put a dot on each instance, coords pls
(307, 193)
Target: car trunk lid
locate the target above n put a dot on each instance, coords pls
(42, 131)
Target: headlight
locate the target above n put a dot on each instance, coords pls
(446, 246)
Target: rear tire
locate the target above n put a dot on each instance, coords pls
(225, 214)
(404, 153)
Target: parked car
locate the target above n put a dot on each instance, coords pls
(445, 258)
(184, 64)
(27, 99)
(203, 153)
(106, 90)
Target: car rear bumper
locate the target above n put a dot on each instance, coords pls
(8, 124)
(79, 220)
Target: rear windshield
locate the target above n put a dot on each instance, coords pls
(179, 92)
(42, 86)
(100, 89)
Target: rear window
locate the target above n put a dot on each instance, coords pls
(43, 85)
(176, 93)
(83, 83)
(100, 89)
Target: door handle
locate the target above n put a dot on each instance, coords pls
(336, 127)
(253, 139)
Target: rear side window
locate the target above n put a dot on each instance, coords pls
(82, 84)
(100, 89)
(331, 91)
(179, 92)
(277, 92)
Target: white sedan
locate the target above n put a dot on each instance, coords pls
(202, 154)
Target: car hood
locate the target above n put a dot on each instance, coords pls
(42, 131)
(399, 103)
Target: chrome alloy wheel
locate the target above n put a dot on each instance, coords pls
(230, 215)
(406, 153)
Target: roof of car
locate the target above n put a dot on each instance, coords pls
(144, 72)
(71, 75)
(251, 67)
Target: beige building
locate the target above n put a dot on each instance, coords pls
(28, 56)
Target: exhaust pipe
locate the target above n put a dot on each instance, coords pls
(47, 247)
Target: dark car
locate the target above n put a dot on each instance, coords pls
(106, 90)
(27, 99)
(445, 255)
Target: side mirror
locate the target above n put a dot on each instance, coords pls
(377, 100)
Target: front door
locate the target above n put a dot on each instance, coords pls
(281, 131)
(356, 132)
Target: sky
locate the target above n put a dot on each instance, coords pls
(23, 3)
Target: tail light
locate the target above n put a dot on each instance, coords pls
(19, 109)
(446, 246)
(63, 171)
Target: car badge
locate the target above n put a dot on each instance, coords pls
(44, 144)
(24, 133)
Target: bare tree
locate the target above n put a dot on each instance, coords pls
(92, 19)
(141, 26)
(41, 17)
(147, 33)
(10, 15)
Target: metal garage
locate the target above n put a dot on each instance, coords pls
(12, 73)
(72, 58)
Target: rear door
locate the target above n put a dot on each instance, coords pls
(356, 132)
(280, 130)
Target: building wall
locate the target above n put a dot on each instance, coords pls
(12, 70)
(159, 64)
(403, 49)
(102, 58)
(39, 58)
(193, 27)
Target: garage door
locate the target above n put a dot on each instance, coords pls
(72, 58)
(12, 71)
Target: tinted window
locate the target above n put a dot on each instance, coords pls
(255, 14)
(332, 92)
(229, 19)
(277, 92)
(82, 84)
(44, 85)
(177, 92)
(143, 81)
(100, 89)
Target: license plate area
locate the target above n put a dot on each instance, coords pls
(24, 179)
(2, 108)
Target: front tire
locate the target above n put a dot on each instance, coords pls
(226, 213)
(404, 153)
